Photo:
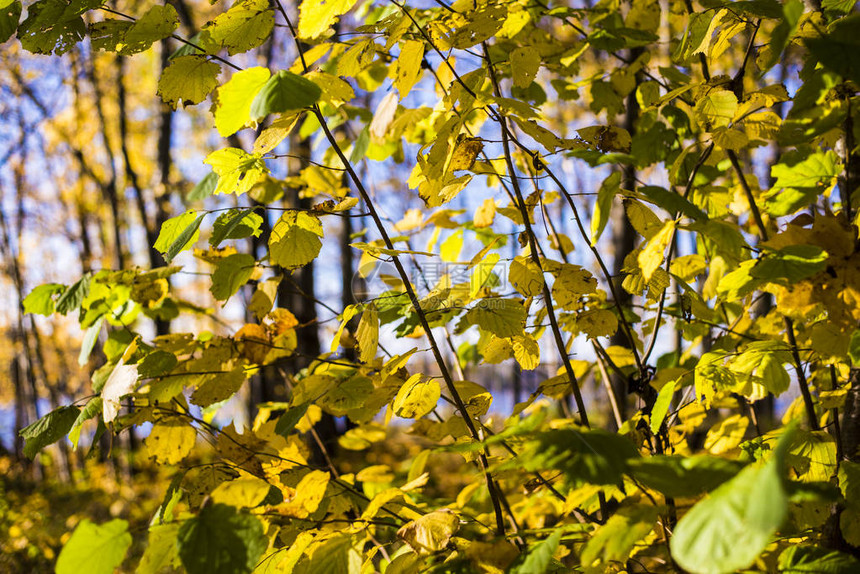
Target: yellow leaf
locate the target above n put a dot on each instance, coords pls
(253, 342)
(465, 153)
(571, 283)
(169, 442)
(367, 333)
(597, 323)
(347, 316)
(246, 492)
(497, 350)
(430, 533)
(408, 67)
(525, 62)
(485, 214)
(482, 271)
(417, 397)
(651, 256)
(309, 493)
(317, 16)
(295, 239)
(334, 90)
(380, 500)
(237, 170)
(526, 352)
(525, 276)
(235, 97)
(277, 131)
(727, 434)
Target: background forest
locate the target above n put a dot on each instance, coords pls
(483, 286)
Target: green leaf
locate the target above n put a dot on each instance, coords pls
(283, 92)
(317, 16)
(236, 224)
(233, 110)
(800, 179)
(221, 540)
(94, 548)
(54, 26)
(204, 188)
(178, 234)
(159, 22)
(683, 477)
(48, 429)
(41, 299)
(792, 10)
(238, 171)
(525, 63)
(156, 364)
(672, 202)
(614, 540)
(839, 49)
(288, 421)
(93, 409)
(72, 297)
(716, 109)
(188, 79)
(790, 264)
(661, 406)
(90, 337)
(10, 12)
(230, 274)
(728, 530)
(854, 347)
(816, 560)
(540, 556)
(295, 239)
(593, 456)
(244, 26)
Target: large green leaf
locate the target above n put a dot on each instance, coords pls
(236, 224)
(95, 548)
(683, 477)
(54, 26)
(10, 12)
(221, 540)
(48, 429)
(816, 560)
(839, 49)
(800, 179)
(593, 456)
(790, 264)
(178, 234)
(283, 92)
(157, 23)
(539, 557)
(729, 529)
(614, 540)
(41, 299)
(230, 274)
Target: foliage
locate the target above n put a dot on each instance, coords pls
(672, 107)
